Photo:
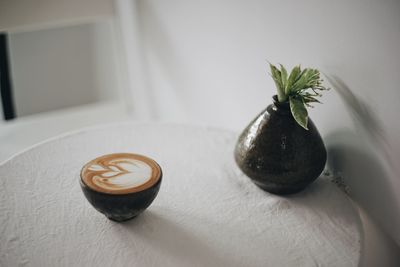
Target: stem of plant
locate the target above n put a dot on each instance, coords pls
(281, 96)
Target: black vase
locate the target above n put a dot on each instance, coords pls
(278, 154)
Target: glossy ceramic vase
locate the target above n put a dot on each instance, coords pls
(278, 154)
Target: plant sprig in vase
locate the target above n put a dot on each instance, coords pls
(299, 88)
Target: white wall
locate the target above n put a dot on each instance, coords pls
(207, 63)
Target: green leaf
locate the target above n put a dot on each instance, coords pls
(299, 111)
(309, 99)
(301, 81)
(283, 77)
(294, 74)
(276, 75)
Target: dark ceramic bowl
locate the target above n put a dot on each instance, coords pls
(121, 207)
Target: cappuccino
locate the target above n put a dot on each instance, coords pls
(121, 173)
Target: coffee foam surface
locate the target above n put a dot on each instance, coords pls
(120, 173)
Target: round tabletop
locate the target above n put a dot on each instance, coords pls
(207, 212)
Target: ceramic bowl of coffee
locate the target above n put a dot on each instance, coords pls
(121, 185)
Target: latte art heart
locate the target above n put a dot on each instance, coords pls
(120, 173)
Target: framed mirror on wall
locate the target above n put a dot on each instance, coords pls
(7, 100)
(67, 69)
(63, 67)
(59, 56)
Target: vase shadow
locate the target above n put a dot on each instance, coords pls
(323, 207)
(366, 177)
(367, 161)
(324, 197)
(364, 118)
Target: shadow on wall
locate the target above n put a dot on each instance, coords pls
(160, 48)
(365, 161)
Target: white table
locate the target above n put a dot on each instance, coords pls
(14, 135)
(206, 214)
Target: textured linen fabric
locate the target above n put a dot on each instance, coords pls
(207, 212)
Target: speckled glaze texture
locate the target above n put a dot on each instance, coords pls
(279, 155)
(121, 207)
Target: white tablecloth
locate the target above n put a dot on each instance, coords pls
(206, 214)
